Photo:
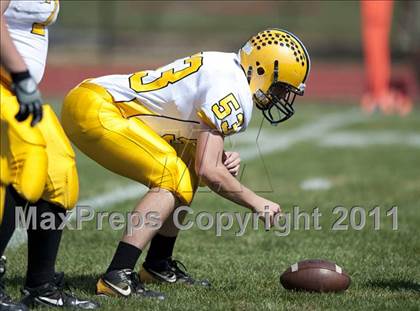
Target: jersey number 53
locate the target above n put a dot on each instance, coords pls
(229, 112)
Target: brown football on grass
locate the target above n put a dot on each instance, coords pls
(315, 275)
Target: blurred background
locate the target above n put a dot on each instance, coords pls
(329, 154)
(93, 38)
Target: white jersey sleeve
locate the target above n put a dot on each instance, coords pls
(227, 103)
(222, 110)
(34, 13)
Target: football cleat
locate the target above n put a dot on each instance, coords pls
(169, 271)
(2, 266)
(277, 66)
(50, 295)
(124, 283)
(7, 304)
(59, 279)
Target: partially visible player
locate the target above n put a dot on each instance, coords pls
(37, 161)
(376, 30)
(29, 106)
(165, 128)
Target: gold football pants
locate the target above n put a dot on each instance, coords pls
(4, 167)
(127, 146)
(38, 161)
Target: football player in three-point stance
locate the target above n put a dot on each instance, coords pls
(165, 128)
(37, 161)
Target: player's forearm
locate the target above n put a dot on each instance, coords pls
(11, 60)
(223, 183)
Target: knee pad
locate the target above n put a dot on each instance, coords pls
(177, 178)
(31, 173)
(72, 186)
(28, 170)
(62, 187)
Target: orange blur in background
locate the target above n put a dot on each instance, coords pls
(376, 28)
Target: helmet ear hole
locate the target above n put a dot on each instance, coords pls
(260, 71)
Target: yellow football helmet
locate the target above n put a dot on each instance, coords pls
(276, 64)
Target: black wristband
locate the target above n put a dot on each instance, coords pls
(19, 76)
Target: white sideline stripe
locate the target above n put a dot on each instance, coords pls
(367, 138)
(119, 195)
(108, 199)
(267, 143)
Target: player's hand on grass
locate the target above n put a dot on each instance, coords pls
(267, 210)
(232, 161)
(28, 96)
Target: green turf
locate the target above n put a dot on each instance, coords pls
(383, 264)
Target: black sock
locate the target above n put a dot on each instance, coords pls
(7, 227)
(161, 247)
(43, 245)
(125, 257)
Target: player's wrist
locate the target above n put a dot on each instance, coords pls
(250, 199)
(20, 76)
(258, 204)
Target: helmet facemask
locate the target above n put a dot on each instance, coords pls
(277, 103)
(276, 109)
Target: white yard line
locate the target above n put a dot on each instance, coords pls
(346, 139)
(115, 196)
(101, 201)
(268, 142)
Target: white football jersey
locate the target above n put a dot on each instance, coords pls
(208, 89)
(28, 23)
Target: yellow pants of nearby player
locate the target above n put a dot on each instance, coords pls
(127, 146)
(4, 167)
(38, 161)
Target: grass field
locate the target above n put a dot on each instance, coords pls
(368, 162)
